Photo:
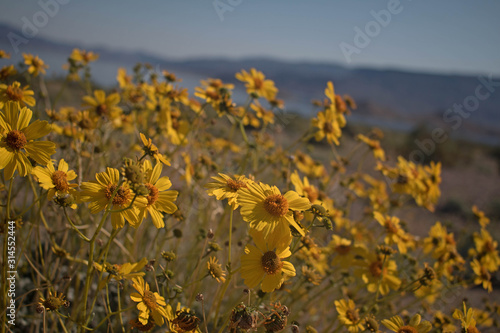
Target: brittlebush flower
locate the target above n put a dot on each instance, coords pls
(6, 72)
(17, 143)
(215, 270)
(394, 233)
(14, 93)
(35, 64)
(151, 150)
(330, 121)
(4, 55)
(121, 271)
(467, 319)
(374, 145)
(83, 57)
(266, 209)
(55, 181)
(53, 301)
(105, 106)
(100, 192)
(263, 262)
(226, 187)
(397, 325)
(378, 274)
(482, 218)
(159, 199)
(256, 84)
(349, 315)
(150, 304)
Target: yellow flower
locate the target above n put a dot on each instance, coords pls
(159, 199)
(267, 210)
(53, 302)
(467, 319)
(374, 145)
(330, 121)
(14, 93)
(263, 262)
(120, 272)
(304, 188)
(150, 304)
(83, 57)
(215, 270)
(124, 80)
(486, 250)
(256, 84)
(105, 106)
(6, 72)
(482, 276)
(17, 141)
(378, 273)
(267, 116)
(216, 93)
(99, 194)
(483, 219)
(397, 324)
(349, 315)
(226, 187)
(394, 233)
(35, 64)
(55, 181)
(151, 150)
(344, 251)
(4, 55)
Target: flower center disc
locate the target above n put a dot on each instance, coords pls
(235, 185)
(276, 205)
(14, 93)
(16, 140)
(343, 249)
(352, 315)
(407, 329)
(328, 127)
(121, 196)
(376, 269)
(60, 181)
(153, 194)
(271, 263)
(149, 299)
(102, 109)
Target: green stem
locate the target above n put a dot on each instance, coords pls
(74, 227)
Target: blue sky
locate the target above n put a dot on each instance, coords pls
(447, 36)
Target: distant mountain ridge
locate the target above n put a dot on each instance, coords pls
(393, 96)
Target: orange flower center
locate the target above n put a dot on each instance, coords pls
(258, 83)
(101, 109)
(235, 185)
(471, 329)
(390, 227)
(16, 140)
(59, 179)
(376, 268)
(153, 194)
(343, 249)
(276, 205)
(328, 127)
(489, 247)
(121, 197)
(14, 93)
(149, 299)
(352, 315)
(311, 194)
(407, 329)
(271, 263)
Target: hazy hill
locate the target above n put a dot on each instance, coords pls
(391, 98)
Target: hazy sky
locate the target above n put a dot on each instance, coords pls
(448, 36)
